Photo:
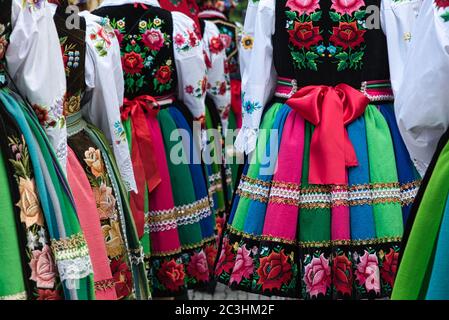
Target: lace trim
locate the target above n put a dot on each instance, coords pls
(254, 189)
(16, 296)
(163, 220)
(72, 258)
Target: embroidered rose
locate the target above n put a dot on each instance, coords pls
(163, 74)
(347, 6)
(93, 159)
(30, 210)
(304, 35)
(342, 270)
(72, 105)
(105, 201)
(303, 6)
(122, 277)
(43, 270)
(102, 34)
(216, 45)
(222, 89)
(113, 238)
(367, 272)
(226, 260)
(274, 271)
(442, 4)
(189, 89)
(390, 267)
(42, 115)
(198, 267)
(153, 39)
(244, 265)
(193, 39)
(211, 254)
(3, 45)
(347, 35)
(179, 40)
(132, 63)
(46, 294)
(171, 275)
(317, 276)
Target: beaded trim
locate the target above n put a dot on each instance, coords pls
(104, 285)
(70, 248)
(286, 88)
(254, 189)
(285, 193)
(312, 244)
(163, 220)
(409, 192)
(16, 296)
(182, 248)
(215, 182)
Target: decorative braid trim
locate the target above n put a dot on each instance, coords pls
(285, 193)
(312, 244)
(182, 248)
(70, 248)
(16, 296)
(164, 220)
(254, 189)
(104, 285)
(409, 192)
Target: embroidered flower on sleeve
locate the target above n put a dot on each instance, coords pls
(101, 40)
(199, 90)
(216, 45)
(185, 41)
(33, 4)
(443, 5)
(247, 42)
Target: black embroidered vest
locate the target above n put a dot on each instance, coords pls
(5, 32)
(146, 43)
(73, 47)
(326, 43)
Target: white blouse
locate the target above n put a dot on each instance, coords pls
(422, 98)
(218, 81)
(36, 66)
(105, 89)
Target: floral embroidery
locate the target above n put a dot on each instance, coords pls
(244, 265)
(317, 275)
(247, 42)
(443, 4)
(185, 41)
(226, 260)
(139, 52)
(216, 45)
(198, 266)
(122, 277)
(41, 261)
(219, 89)
(46, 294)
(163, 77)
(308, 45)
(171, 275)
(250, 106)
(101, 40)
(119, 132)
(274, 271)
(304, 36)
(367, 272)
(33, 4)
(199, 90)
(347, 7)
(211, 254)
(342, 273)
(390, 266)
(3, 41)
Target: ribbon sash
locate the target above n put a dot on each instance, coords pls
(330, 109)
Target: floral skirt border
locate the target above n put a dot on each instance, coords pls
(288, 270)
(172, 276)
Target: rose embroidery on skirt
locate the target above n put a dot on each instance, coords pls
(171, 275)
(317, 276)
(43, 269)
(342, 274)
(367, 272)
(198, 266)
(244, 265)
(226, 260)
(274, 271)
(390, 267)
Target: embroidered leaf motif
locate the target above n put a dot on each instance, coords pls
(311, 55)
(335, 16)
(359, 15)
(445, 16)
(312, 65)
(342, 56)
(291, 15)
(316, 16)
(342, 65)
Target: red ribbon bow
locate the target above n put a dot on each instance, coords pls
(330, 109)
(140, 4)
(142, 153)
